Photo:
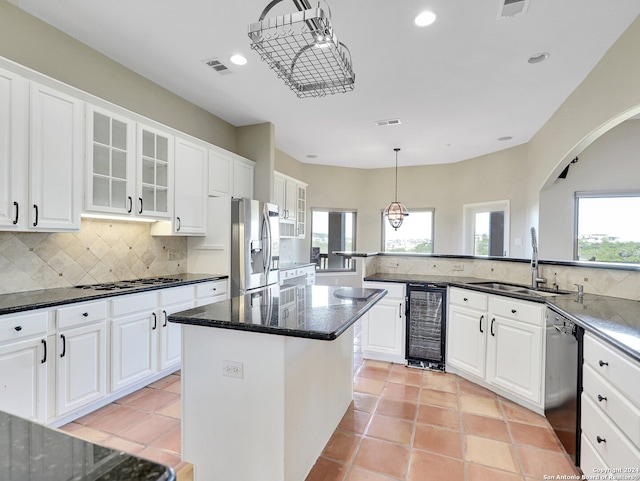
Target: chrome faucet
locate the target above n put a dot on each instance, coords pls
(535, 279)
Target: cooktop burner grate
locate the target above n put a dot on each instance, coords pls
(130, 284)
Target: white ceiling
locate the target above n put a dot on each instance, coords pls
(457, 85)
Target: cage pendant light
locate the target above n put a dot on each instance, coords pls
(396, 211)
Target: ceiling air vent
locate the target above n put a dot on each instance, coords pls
(218, 66)
(384, 123)
(511, 8)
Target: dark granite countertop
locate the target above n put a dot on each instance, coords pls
(45, 298)
(328, 311)
(32, 451)
(612, 319)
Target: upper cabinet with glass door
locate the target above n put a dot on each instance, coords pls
(111, 163)
(155, 173)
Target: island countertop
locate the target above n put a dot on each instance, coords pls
(316, 312)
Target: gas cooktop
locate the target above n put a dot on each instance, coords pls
(130, 284)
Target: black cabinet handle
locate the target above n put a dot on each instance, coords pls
(44, 357)
(602, 363)
(513, 311)
(36, 208)
(601, 398)
(465, 299)
(600, 440)
(18, 328)
(481, 319)
(15, 220)
(85, 314)
(179, 224)
(141, 205)
(155, 321)
(400, 310)
(130, 204)
(164, 324)
(492, 321)
(64, 345)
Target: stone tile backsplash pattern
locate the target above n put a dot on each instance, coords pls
(103, 251)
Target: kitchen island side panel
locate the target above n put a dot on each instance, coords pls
(271, 424)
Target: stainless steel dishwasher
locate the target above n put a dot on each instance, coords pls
(426, 323)
(563, 380)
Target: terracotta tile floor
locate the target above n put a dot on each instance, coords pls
(404, 424)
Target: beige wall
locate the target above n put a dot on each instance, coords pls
(35, 44)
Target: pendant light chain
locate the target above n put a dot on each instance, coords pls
(396, 211)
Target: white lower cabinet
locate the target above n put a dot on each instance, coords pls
(81, 356)
(210, 292)
(23, 365)
(610, 416)
(383, 326)
(170, 334)
(497, 341)
(134, 324)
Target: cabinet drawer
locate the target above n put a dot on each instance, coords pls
(529, 312)
(471, 299)
(81, 314)
(176, 295)
(590, 461)
(394, 289)
(208, 289)
(14, 327)
(122, 305)
(612, 403)
(616, 368)
(291, 273)
(613, 446)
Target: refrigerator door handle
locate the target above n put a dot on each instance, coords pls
(267, 227)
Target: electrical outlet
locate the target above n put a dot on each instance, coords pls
(232, 369)
(458, 267)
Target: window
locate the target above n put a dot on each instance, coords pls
(608, 227)
(486, 227)
(332, 230)
(414, 235)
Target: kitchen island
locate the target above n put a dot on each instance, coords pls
(264, 382)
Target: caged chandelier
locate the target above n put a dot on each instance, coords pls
(303, 50)
(396, 211)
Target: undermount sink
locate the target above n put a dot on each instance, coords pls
(501, 286)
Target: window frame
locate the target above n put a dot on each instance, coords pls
(469, 212)
(351, 264)
(601, 194)
(385, 223)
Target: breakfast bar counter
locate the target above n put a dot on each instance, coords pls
(266, 378)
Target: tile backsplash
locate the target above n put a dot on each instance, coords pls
(103, 251)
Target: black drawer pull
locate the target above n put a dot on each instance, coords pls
(44, 357)
(36, 222)
(155, 321)
(130, 204)
(513, 311)
(492, 321)
(465, 299)
(15, 221)
(600, 440)
(18, 328)
(601, 398)
(141, 205)
(85, 314)
(164, 324)
(481, 319)
(179, 224)
(602, 363)
(64, 345)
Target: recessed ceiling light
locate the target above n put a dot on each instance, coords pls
(505, 138)
(538, 57)
(425, 18)
(238, 59)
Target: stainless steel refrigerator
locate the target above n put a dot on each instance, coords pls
(255, 245)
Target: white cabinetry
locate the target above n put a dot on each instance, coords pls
(172, 300)
(41, 155)
(134, 324)
(23, 365)
(81, 362)
(230, 175)
(190, 187)
(383, 326)
(14, 98)
(111, 163)
(498, 342)
(290, 196)
(210, 292)
(610, 418)
(155, 173)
